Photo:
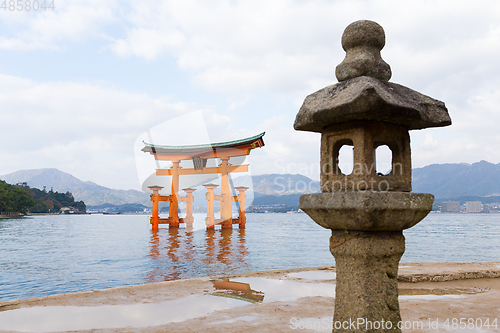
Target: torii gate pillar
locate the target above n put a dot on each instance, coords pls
(173, 211)
(226, 212)
(155, 197)
(210, 196)
(189, 206)
(241, 205)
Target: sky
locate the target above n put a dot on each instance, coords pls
(81, 83)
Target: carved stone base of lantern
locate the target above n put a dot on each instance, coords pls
(367, 243)
(367, 290)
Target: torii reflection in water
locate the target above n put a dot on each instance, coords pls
(178, 253)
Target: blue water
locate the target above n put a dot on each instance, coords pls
(47, 255)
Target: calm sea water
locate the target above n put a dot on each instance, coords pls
(47, 255)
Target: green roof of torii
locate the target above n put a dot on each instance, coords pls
(149, 147)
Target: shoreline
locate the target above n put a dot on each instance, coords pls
(408, 272)
(11, 216)
(35, 214)
(430, 290)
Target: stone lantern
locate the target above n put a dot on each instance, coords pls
(367, 210)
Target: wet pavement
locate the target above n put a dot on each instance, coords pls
(221, 303)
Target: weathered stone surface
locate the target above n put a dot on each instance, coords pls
(367, 210)
(365, 137)
(366, 98)
(362, 41)
(367, 268)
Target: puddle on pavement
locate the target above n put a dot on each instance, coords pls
(314, 275)
(238, 292)
(72, 318)
(228, 294)
(273, 290)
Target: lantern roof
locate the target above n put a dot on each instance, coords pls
(364, 93)
(370, 99)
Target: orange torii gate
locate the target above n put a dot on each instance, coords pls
(199, 154)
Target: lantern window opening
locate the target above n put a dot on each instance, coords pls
(383, 159)
(344, 157)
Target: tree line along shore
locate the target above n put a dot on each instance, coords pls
(20, 199)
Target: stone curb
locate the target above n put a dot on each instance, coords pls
(414, 278)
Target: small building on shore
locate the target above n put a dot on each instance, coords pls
(69, 210)
(450, 207)
(473, 207)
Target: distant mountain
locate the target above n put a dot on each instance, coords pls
(89, 192)
(282, 189)
(445, 181)
(463, 182)
(284, 184)
(290, 200)
(450, 181)
(48, 178)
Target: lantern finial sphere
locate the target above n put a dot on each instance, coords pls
(363, 41)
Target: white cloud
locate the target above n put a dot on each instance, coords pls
(147, 43)
(236, 53)
(285, 45)
(88, 130)
(286, 150)
(70, 21)
(236, 46)
(473, 136)
(429, 142)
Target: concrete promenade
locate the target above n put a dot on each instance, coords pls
(434, 297)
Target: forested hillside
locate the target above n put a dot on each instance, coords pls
(23, 199)
(14, 198)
